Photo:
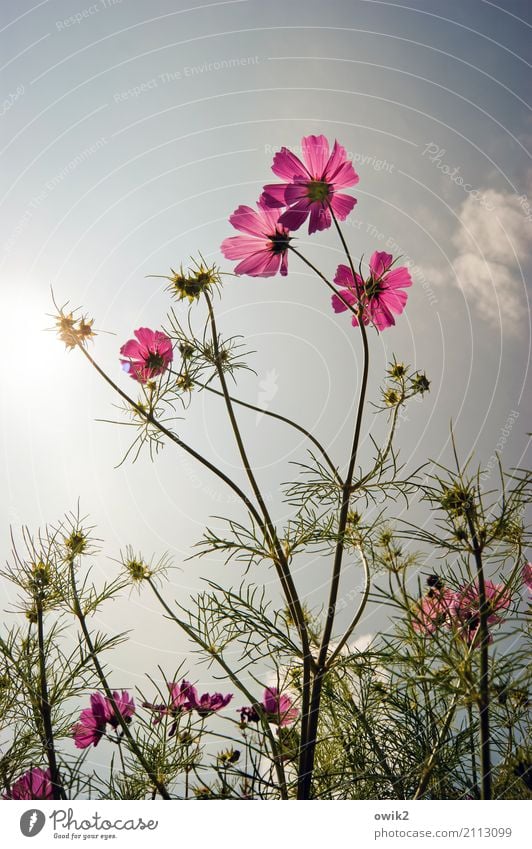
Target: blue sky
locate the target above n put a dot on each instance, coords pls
(129, 133)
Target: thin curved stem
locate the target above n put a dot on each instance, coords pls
(309, 748)
(148, 417)
(358, 614)
(267, 524)
(281, 562)
(232, 677)
(280, 418)
(161, 787)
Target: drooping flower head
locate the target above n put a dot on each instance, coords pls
(179, 703)
(125, 705)
(36, 783)
(264, 247)
(93, 721)
(148, 355)
(205, 704)
(433, 611)
(377, 298)
(279, 707)
(466, 604)
(312, 187)
(90, 728)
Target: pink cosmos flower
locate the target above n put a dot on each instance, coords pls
(279, 707)
(312, 187)
(36, 783)
(206, 703)
(527, 576)
(466, 603)
(264, 248)
(433, 610)
(378, 297)
(179, 703)
(93, 721)
(148, 355)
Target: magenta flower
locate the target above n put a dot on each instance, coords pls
(206, 703)
(179, 703)
(527, 576)
(466, 604)
(36, 783)
(264, 248)
(148, 355)
(378, 297)
(433, 610)
(278, 707)
(93, 721)
(312, 187)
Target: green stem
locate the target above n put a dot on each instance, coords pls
(310, 732)
(358, 614)
(281, 562)
(150, 418)
(157, 783)
(280, 418)
(232, 677)
(45, 709)
(483, 700)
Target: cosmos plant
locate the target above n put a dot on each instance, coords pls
(434, 708)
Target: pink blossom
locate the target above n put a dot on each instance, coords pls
(93, 721)
(178, 704)
(466, 604)
(378, 297)
(312, 187)
(264, 248)
(148, 355)
(206, 703)
(125, 704)
(36, 783)
(433, 610)
(527, 576)
(278, 707)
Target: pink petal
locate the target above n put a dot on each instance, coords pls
(398, 277)
(130, 349)
(342, 205)
(294, 217)
(338, 304)
(316, 153)
(344, 277)
(288, 166)
(320, 218)
(247, 220)
(273, 194)
(238, 247)
(395, 299)
(260, 264)
(379, 262)
(340, 169)
(296, 192)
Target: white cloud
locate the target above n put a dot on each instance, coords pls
(493, 241)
